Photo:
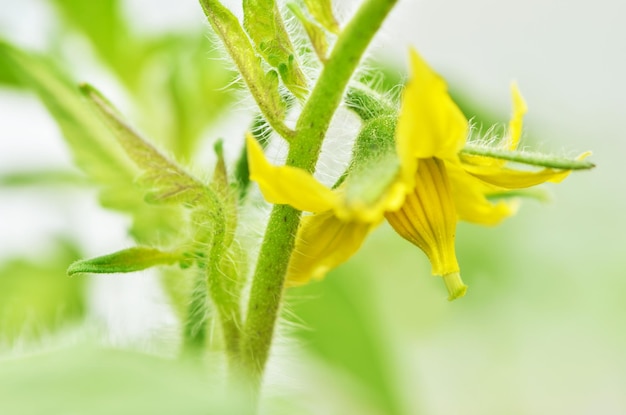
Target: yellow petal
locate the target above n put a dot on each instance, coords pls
(361, 208)
(285, 185)
(428, 220)
(515, 125)
(430, 124)
(515, 179)
(323, 242)
(470, 198)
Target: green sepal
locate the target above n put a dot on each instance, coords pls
(369, 104)
(374, 164)
(322, 11)
(264, 91)
(526, 157)
(316, 35)
(264, 24)
(127, 260)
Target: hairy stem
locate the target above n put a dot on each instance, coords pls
(268, 282)
(222, 292)
(195, 329)
(263, 86)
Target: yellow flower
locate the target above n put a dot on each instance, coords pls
(419, 183)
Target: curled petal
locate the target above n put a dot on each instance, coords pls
(470, 198)
(515, 179)
(324, 242)
(515, 124)
(285, 185)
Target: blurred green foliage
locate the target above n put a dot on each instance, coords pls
(176, 80)
(94, 147)
(36, 297)
(87, 380)
(47, 178)
(340, 326)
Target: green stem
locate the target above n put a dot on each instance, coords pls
(268, 282)
(263, 86)
(224, 295)
(194, 332)
(266, 291)
(329, 89)
(228, 309)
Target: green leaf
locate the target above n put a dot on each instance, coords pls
(94, 148)
(264, 88)
(80, 126)
(527, 157)
(213, 221)
(322, 11)
(264, 24)
(341, 327)
(316, 35)
(167, 181)
(127, 260)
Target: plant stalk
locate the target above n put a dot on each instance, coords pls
(279, 240)
(195, 329)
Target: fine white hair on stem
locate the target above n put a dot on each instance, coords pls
(337, 146)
